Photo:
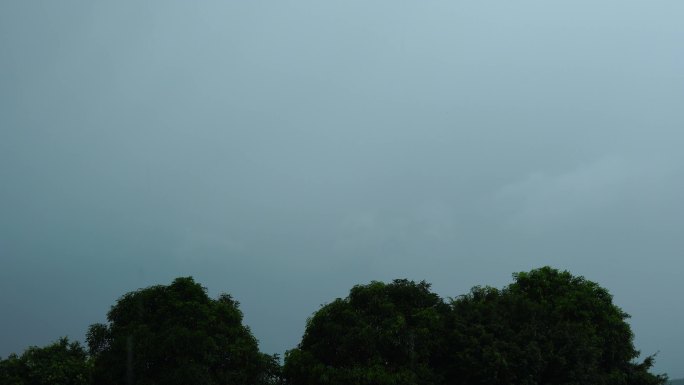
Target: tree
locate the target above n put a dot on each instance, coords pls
(547, 327)
(380, 334)
(60, 363)
(176, 334)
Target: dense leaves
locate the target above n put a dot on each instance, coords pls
(380, 334)
(175, 334)
(60, 363)
(548, 327)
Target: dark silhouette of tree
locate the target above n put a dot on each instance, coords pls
(176, 334)
(60, 363)
(548, 327)
(380, 334)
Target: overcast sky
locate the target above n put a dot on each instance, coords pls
(283, 151)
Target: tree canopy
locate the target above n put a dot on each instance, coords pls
(380, 334)
(59, 363)
(548, 327)
(176, 334)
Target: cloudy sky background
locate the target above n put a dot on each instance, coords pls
(283, 151)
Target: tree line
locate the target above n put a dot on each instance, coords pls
(547, 327)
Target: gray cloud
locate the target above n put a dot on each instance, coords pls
(284, 152)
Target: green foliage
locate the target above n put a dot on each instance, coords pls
(176, 334)
(380, 334)
(60, 363)
(271, 370)
(547, 327)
